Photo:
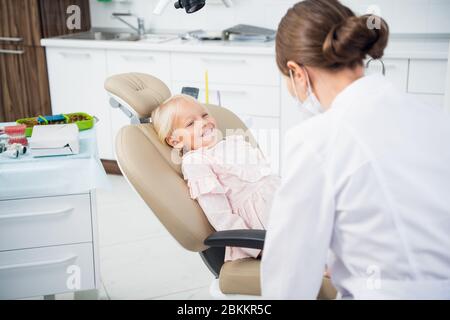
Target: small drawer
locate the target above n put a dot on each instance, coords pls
(226, 69)
(45, 271)
(250, 100)
(433, 100)
(396, 71)
(427, 76)
(155, 63)
(48, 221)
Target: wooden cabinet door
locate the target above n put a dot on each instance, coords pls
(20, 22)
(54, 17)
(24, 82)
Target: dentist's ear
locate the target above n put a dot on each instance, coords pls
(300, 81)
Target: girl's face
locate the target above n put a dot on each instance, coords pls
(193, 127)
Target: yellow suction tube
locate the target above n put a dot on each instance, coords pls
(206, 87)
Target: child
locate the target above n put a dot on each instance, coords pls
(230, 179)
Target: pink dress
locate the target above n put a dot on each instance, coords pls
(234, 185)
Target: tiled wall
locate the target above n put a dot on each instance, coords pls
(404, 16)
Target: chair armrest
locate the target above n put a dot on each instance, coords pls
(253, 239)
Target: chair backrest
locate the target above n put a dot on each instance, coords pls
(149, 165)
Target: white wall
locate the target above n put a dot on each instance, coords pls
(404, 16)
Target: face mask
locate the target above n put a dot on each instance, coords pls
(311, 104)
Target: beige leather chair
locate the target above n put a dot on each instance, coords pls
(147, 164)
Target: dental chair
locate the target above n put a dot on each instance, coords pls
(147, 165)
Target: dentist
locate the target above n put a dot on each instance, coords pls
(366, 189)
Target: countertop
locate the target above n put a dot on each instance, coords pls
(176, 45)
(400, 46)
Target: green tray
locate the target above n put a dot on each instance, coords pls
(82, 124)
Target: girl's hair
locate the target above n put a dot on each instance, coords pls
(163, 117)
(326, 34)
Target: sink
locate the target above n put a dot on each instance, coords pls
(102, 35)
(120, 36)
(158, 37)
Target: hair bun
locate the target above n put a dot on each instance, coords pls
(352, 40)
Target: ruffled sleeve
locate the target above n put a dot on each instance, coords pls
(201, 179)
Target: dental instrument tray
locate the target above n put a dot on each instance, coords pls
(83, 120)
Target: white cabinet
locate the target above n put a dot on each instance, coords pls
(123, 61)
(248, 85)
(225, 68)
(154, 63)
(447, 86)
(396, 71)
(427, 80)
(39, 222)
(433, 100)
(427, 76)
(47, 270)
(76, 79)
(244, 99)
(48, 245)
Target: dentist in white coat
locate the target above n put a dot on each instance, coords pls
(366, 190)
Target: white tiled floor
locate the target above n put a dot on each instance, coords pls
(138, 257)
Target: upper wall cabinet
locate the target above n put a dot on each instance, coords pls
(20, 22)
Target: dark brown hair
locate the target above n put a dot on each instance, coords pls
(327, 34)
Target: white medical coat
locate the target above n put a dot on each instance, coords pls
(366, 190)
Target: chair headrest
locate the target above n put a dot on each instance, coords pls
(142, 92)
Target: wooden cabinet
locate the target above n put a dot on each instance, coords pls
(23, 70)
(24, 82)
(20, 22)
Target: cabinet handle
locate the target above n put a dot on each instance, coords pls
(11, 39)
(138, 57)
(387, 66)
(36, 214)
(75, 55)
(38, 264)
(214, 60)
(12, 51)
